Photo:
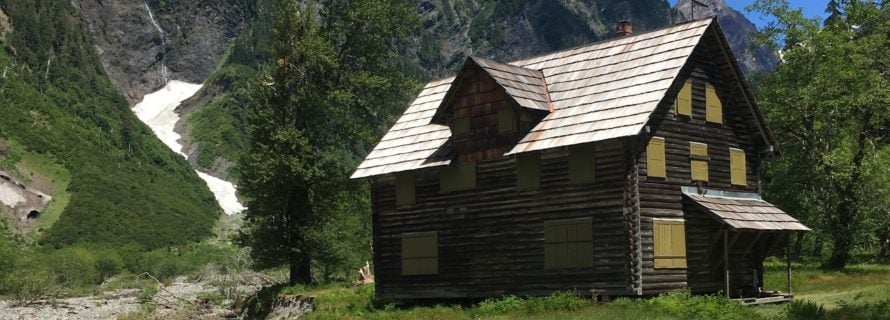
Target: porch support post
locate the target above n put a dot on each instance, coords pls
(788, 261)
(726, 260)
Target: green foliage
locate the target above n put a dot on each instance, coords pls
(685, 306)
(126, 186)
(805, 310)
(333, 87)
(828, 106)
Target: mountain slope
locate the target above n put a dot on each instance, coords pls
(738, 30)
(126, 186)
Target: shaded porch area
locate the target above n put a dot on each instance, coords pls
(742, 229)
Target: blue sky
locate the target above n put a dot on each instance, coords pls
(811, 8)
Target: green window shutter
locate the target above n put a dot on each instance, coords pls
(683, 104)
(714, 109)
(405, 189)
(698, 166)
(458, 176)
(420, 253)
(582, 164)
(738, 167)
(528, 171)
(460, 127)
(655, 159)
(568, 243)
(506, 121)
(669, 237)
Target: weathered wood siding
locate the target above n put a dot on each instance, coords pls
(491, 238)
(662, 197)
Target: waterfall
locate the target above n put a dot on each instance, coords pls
(163, 65)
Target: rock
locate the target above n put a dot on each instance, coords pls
(5, 27)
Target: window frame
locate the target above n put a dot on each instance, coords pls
(698, 158)
(407, 269)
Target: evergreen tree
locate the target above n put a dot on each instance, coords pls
(834, 12)
(333, 86)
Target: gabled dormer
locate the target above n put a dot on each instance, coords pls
(490, 106)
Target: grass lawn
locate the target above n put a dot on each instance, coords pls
(858, 292)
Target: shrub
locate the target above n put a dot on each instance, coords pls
(805, 310)
(686, 306)
(560, 301)
(499, 306)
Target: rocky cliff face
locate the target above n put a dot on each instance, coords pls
(142, 44)
(738, 30)
(508, 30)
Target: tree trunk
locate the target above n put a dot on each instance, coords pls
(844, 230)
(797, 252)
(300, 270)
(884, 253)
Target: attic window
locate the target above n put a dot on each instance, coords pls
(714, 108)
(683, 103)
(655, 160)
(405, 189)
(737, 167)
(506, 121)
(460, 127)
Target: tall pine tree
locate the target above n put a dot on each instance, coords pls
(333, 85)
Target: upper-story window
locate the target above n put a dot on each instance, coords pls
(582, 164)
(698, 161)
(458, 176)
(460, 127)
(714, 108)
(738, 167)
(683, 104)
(528, 171)
(405, 189)
(655, 159)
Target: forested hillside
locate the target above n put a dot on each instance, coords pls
(56, 100)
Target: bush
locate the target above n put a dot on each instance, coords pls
(686, 306)
(499, 306)
(560, 301)
(805, 310)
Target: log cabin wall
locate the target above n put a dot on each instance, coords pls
(491, 238)
(662, 197)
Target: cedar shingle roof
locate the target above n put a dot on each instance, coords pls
(598, 92)
(747, 214)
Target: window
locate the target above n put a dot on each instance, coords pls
(655, 166)
(568, 243)
(420, 253)
(737, 167)
(683, 103)
(698, 164)
(528, 171)
(669, 237)
(460, 127)
(405, 188)
(582, 164)
(458, 176)
(714, 109)
(506, 121)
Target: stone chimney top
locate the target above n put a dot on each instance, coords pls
(624, 28)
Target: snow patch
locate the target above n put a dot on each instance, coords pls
(158, 111)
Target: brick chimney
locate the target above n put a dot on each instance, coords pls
(624, 28)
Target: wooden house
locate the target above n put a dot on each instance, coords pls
(625, 167)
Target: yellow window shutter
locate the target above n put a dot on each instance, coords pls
(683, 104)
(678, 244)
(655, 159)
(582, 164)
(714, 109)
(661, 239)
(698, 165)
(405, 188)
(737, 167)
(420, 253)
(528, 171)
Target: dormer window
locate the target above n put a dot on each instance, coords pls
(506, 121)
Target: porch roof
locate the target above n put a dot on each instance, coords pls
(746, 211)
